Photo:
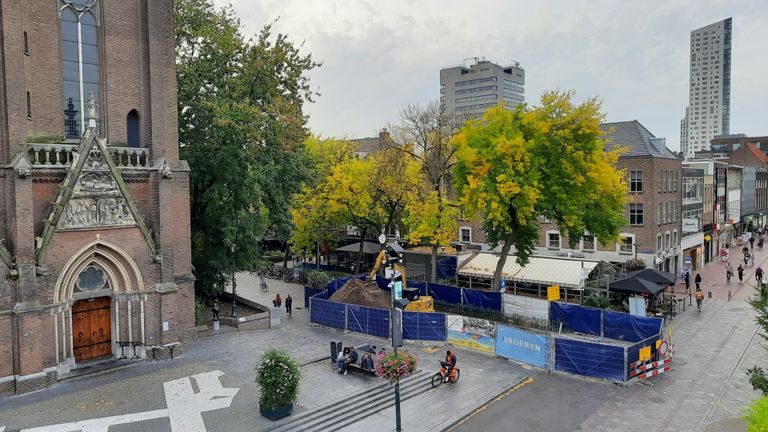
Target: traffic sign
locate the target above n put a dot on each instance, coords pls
(553, 292)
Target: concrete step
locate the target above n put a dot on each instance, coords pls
(342, 410)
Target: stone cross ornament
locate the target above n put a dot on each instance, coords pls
(91, 111)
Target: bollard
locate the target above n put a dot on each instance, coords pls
(709, 294)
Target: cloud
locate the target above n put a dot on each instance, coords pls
(381, 56)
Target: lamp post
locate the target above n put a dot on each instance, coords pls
(234, 283)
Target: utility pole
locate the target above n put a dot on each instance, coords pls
(234, 283)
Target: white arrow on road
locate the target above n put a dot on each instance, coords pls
(184, 407)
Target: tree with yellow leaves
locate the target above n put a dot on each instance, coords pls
(547, 160)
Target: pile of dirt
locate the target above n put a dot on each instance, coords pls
(362, 293)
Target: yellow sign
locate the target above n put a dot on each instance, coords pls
(645, 353)
(658, 343)
(553, 292)
(707, 237)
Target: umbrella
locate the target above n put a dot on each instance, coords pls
(655, 276)
(634, 284)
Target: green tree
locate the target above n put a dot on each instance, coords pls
(424, 134)
(514, 165)
(759, 302)
(241, 127)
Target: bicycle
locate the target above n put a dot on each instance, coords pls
(439, 377)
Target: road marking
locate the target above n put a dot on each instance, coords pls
(185, 407)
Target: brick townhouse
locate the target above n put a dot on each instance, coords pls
(94, 219)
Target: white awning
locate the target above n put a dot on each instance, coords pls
(543, 271)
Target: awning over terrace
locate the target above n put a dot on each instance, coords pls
(540, 270)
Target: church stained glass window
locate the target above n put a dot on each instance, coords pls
(80, 62)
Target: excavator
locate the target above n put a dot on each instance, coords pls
(417, 303)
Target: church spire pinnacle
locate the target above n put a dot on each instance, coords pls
(91, 111)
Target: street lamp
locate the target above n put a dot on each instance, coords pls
(234, 283)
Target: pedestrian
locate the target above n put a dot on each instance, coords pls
(277, 302)
(699, 298)
(216, 309)
(698, 281)
(288, 304)
(752, 242)
(740, 271)
(759, 276)
(688, 282)
(728, 271)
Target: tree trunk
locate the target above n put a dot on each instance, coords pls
(359, 264)
(286, 255)
(502, 260)
(433, 267)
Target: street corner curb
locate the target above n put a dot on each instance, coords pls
(520, 384)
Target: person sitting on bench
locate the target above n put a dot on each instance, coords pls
(353, 356)
(341, 361)
(366, 362)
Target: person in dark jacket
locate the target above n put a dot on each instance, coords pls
(740, 272)
(288, 304)
(698, 281)
(688, 281)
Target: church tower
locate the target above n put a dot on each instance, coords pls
(94, 201)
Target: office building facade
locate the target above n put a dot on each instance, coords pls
(466, 92)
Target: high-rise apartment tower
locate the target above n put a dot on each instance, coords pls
(709, 100)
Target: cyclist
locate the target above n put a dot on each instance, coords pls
(449, 364)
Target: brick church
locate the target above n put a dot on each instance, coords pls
(94, 208)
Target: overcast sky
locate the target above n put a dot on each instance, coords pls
(379, 56)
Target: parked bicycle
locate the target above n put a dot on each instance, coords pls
(439, 377)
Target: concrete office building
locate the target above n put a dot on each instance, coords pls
(709, 101)
(466, 92)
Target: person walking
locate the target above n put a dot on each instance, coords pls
(728, 271)
(752, 242)
(699, 298)
(698, 281)
(740, 271)
(759, 276)
(688, 282)
(288, 304)
(215, 309)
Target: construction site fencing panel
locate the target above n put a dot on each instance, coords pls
(633, 352)
(522, 346)
(311, 292)
(526, 306)
(626, 327)
(327, 313)
(368, 320)
(483, 299)
(576, 318)
(590, 359)
(425, 326)
(446, 267)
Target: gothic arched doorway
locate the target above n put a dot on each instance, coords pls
(92, 328)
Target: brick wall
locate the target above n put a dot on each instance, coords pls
(137, 72)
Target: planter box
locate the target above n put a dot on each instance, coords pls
(276, 413)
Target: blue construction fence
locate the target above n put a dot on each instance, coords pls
(426, 326)
(604, 323)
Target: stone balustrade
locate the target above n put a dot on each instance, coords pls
(62, 155)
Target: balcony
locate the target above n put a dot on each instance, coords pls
(62, 155)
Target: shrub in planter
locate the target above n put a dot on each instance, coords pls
(634, 264)
(394, 366)
(278, 376)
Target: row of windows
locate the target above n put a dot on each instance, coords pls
(475, 81)
(476, 89)
(666, 212)
(476, 98)
(666, 241)
(587, 243)
(511, 85)
(475, 107)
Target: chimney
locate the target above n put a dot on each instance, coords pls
(384, 138)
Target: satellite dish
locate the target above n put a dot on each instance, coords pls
(382, 238)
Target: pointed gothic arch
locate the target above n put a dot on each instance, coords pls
(120, 268)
